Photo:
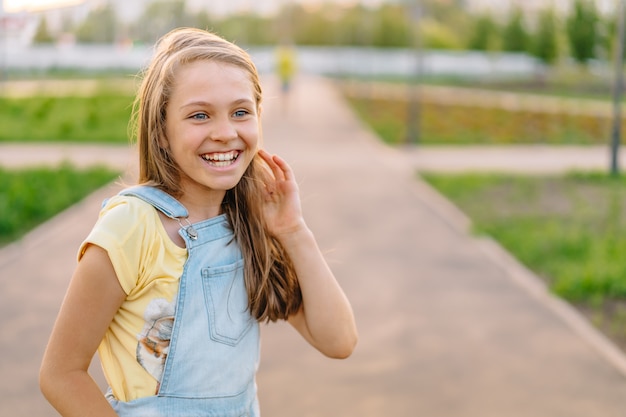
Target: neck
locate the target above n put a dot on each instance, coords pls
(204, 206)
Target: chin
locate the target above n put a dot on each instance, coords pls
(225, 186)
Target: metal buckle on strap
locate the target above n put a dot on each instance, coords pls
(188, 228)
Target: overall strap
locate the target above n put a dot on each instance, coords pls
(161, 200)
(165, 203)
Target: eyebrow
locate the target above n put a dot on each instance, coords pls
(206, 103)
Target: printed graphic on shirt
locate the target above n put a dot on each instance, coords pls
(154, 340)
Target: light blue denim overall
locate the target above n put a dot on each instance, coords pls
(214, 350)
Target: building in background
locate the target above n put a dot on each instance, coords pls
(19, 28)
(16, 28)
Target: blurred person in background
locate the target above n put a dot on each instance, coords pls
(286, 68)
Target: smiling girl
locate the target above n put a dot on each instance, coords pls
(179, 270)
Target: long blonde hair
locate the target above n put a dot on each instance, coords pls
(271, 282)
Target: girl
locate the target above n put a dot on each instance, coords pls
(178, 271)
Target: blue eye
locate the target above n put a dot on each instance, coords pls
(240, 113)
(199, 116)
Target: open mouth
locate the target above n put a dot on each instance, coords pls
(221, 159)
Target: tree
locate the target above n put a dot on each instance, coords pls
(392, 27)
(436, 35)
(483, 33)
(353, 26)
(43, 34)
(582, 30)
(247, 29)
(313, 27)
(514, 35)
(202, 20)
(160, 17)
(545, 43)
(99, 26)
(608, 38)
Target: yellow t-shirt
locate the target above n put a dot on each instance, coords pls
(148, 266)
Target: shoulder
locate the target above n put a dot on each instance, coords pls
(125, 220)
(125, 205)
(130, 231)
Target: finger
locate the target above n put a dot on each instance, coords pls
(285, 168)
(278, 172)
(265, 155)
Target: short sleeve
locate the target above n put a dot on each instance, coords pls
(121, 230)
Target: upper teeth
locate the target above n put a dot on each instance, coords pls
(228, 156)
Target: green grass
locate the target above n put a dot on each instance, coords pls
(571, 229)
(29, 197)
(464, 125)
(103, 117)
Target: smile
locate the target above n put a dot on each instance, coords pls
(221, 159)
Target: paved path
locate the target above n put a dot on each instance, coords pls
(525, 159)
(449, 324)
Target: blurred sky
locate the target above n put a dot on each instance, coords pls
(16, 5)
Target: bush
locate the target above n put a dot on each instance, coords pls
(443, 124)
(99, 118)
(31, 196)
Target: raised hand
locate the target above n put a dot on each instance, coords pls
(283, 211)
(326, 320)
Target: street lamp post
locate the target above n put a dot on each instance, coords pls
(3, 44)
(617, 90)
(414, 110)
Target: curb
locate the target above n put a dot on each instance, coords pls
(524, 278)
(537, 289)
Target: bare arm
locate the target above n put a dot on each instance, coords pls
(92, 299)
(325, 320)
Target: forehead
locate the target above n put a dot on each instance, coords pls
(211, 78)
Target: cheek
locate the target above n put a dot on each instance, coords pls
(184, 137)
(252, 134)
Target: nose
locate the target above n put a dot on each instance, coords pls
(223, 129)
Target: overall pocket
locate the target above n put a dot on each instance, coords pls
(227, 303)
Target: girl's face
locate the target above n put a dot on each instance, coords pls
(212, 126)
